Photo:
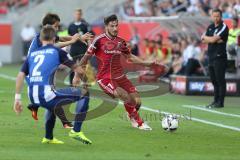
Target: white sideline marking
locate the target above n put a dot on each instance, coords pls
(211, 111)
(192, 118)
(7, 77)
(162, 112)
(195, 119)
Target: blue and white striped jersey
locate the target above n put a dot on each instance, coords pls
(40, 66)
(36, 43)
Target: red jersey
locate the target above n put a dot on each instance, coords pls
(108, 52)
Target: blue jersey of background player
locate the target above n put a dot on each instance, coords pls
(40, 65)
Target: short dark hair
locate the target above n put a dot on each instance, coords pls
(78, 10)
(110, 18)
(217, 10)
(47, 33)
(50, 19)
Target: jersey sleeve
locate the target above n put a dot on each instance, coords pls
(35, 44)
(25, 67)
(223, 33)
(64, 58)
(93, 47)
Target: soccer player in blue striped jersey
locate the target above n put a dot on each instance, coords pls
(40, 66)
(54, 20)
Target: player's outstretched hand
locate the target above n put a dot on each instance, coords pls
(18, 107)
(159, 68)
(75, 37)
(86, 37)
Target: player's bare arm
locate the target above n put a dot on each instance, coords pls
(65, 38)
(73, 39)
(69, 40)
(79, 74)
(85, 59)
(137, 60)
(19, 85)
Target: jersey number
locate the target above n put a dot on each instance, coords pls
(39, 60)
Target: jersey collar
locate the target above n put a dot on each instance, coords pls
(109, 37)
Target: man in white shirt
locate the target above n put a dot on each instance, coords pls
(191, 58)
(27, 34)
(139, 7)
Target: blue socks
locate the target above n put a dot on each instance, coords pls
(81, 111)
(49, 125)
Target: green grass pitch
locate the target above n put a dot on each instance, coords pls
(112, 135)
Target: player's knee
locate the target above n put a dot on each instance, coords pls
(85, 93)
(139, 103)
(138, 106)
(120, 93)
(123, 97)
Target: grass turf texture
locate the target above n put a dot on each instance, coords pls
(112, 136)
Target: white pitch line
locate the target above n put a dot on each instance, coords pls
(162, 112)
(211, 111)
(7, 77)
(192, 118)
(195, 119)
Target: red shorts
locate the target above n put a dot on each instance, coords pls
(109, 85)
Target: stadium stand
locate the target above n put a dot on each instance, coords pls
(10, 5)
(230, 8)
(27, 14)
(180, 24)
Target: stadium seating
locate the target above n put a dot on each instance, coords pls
(7, 5)
(150, 8)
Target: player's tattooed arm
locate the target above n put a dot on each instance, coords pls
(85, 59)
(79, 74)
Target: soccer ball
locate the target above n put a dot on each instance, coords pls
(170, 122)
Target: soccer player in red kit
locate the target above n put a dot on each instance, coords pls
(108, 49)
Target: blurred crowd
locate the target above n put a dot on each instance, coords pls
(230, 8)
(183, 55)
(11, 5)
(7, 5)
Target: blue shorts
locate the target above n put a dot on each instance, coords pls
(63, 97)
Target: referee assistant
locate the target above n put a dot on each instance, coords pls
(80, 26)
(216, 37)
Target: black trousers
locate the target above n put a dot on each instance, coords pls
(191, 67)
(217, 69)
